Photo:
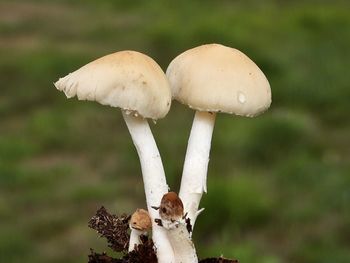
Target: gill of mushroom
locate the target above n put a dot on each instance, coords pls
(212, 78)
(171, 212)
(135, 83)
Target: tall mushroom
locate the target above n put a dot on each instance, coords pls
(212, 78)
(135, 83)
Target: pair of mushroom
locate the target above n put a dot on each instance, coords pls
(209, 78)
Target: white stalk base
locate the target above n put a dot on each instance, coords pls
(181, 242)
(194, 176)
(153, 179)
(134, 239)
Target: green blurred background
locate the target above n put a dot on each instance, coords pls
(279, 184)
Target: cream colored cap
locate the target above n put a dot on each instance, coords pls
(140, 220)
(217, 78)
(127, 79)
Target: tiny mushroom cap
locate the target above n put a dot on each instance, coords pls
(140, 220)
(216, 78)
(129, 80)
(171, 211)
(171, 207)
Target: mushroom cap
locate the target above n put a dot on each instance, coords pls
(127, 79)
(217, 78)
(171, 207)
(140, 220)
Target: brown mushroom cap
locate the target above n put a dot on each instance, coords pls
(217, 78)
(171, 207)
(140, 220)
(127, 79)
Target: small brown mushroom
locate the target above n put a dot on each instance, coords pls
(140, 223)
(171, 212)
(171, 207)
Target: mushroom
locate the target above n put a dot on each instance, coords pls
(135, 83)
(140, 223)
(171, 212)
(212, 78)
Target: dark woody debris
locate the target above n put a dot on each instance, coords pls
(113, 228)
(143, 253)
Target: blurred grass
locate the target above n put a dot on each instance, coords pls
(279, 184)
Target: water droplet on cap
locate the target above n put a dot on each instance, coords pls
(241, 97)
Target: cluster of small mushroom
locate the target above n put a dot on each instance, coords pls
(209, 79)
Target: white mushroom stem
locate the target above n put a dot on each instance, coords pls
(181, 242)
(194, 175)
(134, 238)
(153, 179)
